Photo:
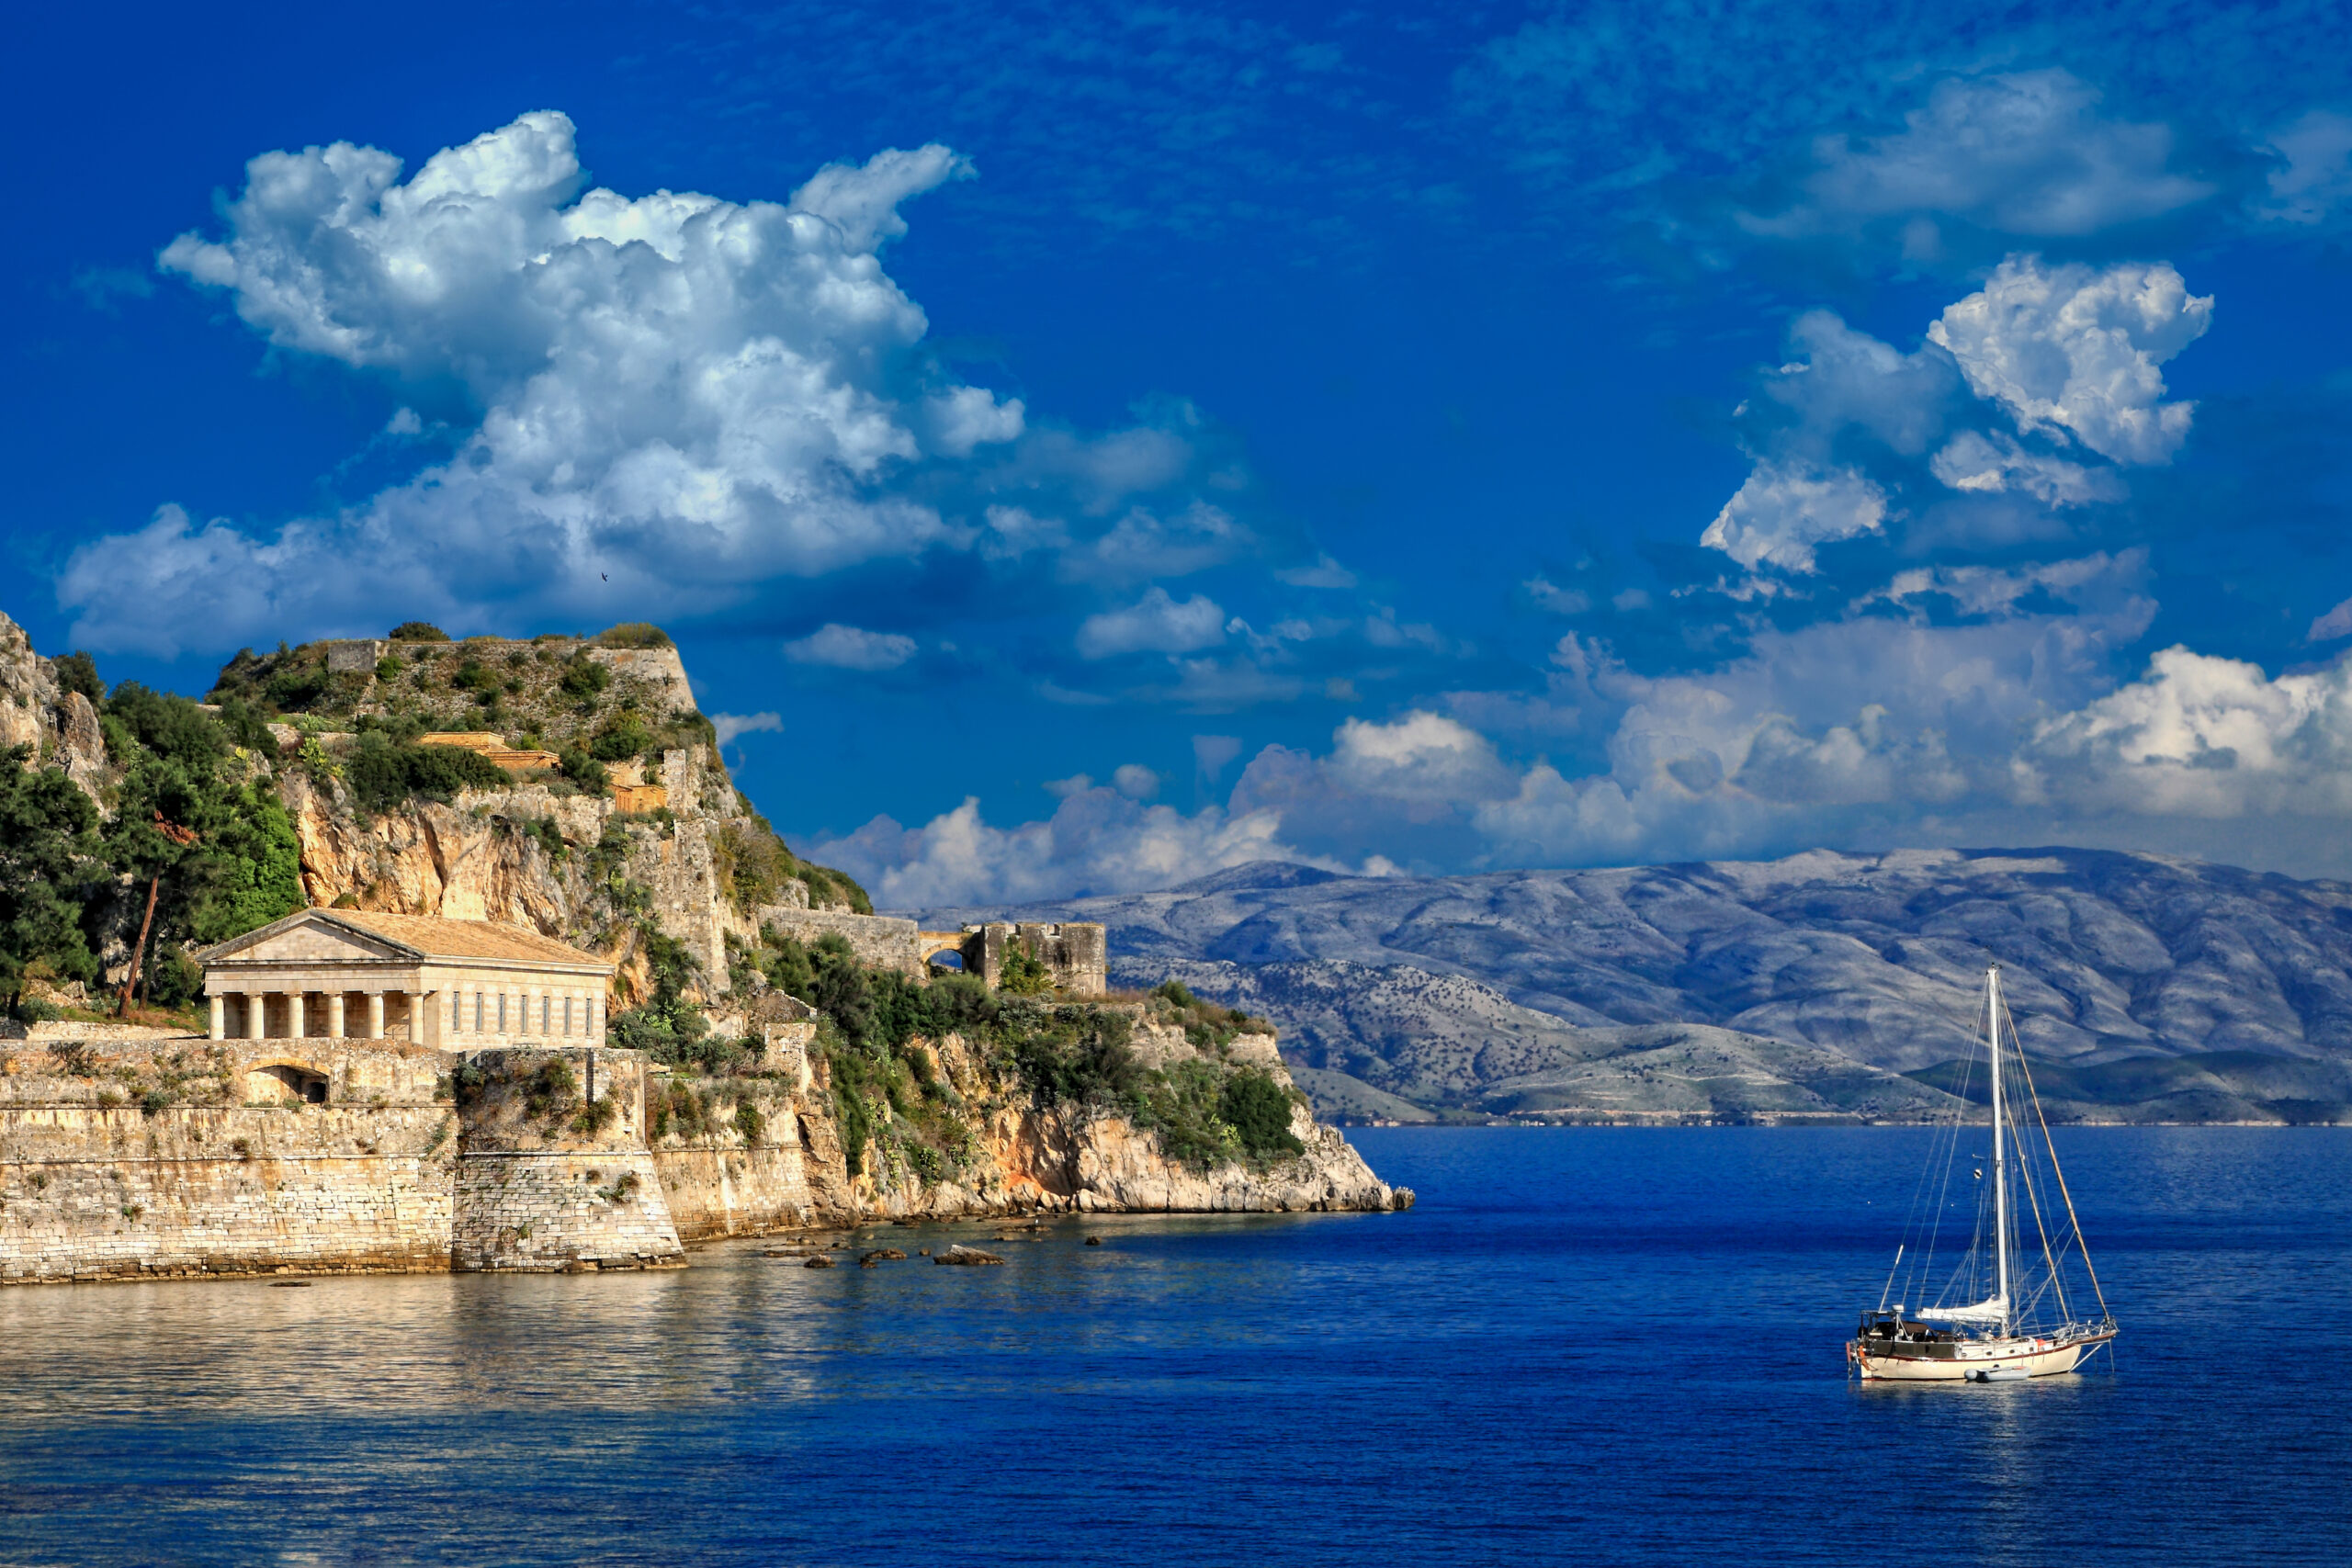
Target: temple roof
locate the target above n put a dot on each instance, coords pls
(412, 938)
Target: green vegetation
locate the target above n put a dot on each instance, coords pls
(1206, 1025)
(384, 774)
(633, 633)
(187, 819)
(896, 1110)
(78, 672)
(625, 736)
(418, 631)
(583, 678)
(754, 864)
(48, 854)
(666, 1026)
(1022, 975)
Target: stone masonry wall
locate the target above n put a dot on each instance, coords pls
(152, 1157)
(552, 1167)
(883, 940)
(562, 1212)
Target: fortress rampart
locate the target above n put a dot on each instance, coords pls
(182, 1157)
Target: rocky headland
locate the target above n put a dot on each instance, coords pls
(789, 1078)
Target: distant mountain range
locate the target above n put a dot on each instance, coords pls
(2146, 988)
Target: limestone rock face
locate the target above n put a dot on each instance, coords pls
(479, 860)
(34, 710)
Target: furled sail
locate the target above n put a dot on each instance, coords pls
(1995, 1310)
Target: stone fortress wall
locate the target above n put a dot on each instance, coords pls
(181, 1157)
(1075, 954)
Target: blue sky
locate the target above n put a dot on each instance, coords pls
(1078, 447)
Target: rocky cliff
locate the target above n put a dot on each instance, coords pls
(746, 1153)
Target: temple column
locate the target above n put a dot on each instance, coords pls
(335, 1016)
(294, 1029)
(219, 1016)
(256, 1013)
(415, 1017)
(375, 1015)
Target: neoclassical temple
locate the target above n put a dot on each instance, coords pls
(456, 985)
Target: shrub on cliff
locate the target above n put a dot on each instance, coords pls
(418, 631)
(175, 730)
(1022, 975)
(582, 769)
(78, 672)
(221, 852)
(1205, 1024)
(666, 1026)
(751, 862)
(1084, 1055)
(622, 737)
(1258, 1109)
(255, 874)
(583, 678)
(633, 633)
(384, 775)
(294, 687)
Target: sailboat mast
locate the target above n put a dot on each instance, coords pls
(2000, 1182)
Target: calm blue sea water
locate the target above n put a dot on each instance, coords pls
(1588, 1345)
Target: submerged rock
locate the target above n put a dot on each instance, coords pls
(879, 1255)
(819, 1261)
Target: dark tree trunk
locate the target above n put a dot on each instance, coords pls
(130, 982)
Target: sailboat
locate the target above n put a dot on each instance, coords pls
(2005, 1311)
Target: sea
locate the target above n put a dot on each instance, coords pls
(1581, 1346)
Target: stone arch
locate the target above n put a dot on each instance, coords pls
(932, 946)
(286, 1080)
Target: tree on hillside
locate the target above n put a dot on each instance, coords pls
(49, 851)
(221, 855)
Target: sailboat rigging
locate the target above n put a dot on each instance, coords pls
(2001, 1314)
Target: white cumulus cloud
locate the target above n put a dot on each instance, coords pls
(1780, 514)
(2076, 349)
(851, 648)
(1154, 623)
(1099, 840)
(730, 724)
(2200, 735)
(678, 397)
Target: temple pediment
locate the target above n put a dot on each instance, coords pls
(307, 937)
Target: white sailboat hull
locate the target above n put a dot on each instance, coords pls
(2001, 1337)
(1974, 1361)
